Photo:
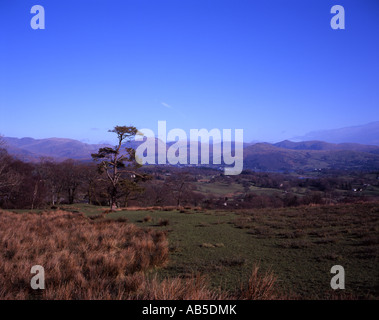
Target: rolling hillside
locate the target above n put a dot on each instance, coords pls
(282, 156)
(267, 157)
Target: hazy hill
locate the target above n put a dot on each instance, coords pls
(321, 145)
(282, 156)
(30, 149)
(267, 157)
(363, 134)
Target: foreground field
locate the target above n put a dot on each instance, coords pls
(299, 245)
(85, 258)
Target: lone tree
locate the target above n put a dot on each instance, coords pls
(118, 163)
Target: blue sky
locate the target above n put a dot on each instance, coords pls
(273, 68)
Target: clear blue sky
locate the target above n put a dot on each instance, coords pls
(273, 68)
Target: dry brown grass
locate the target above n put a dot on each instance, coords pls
(83, 259)
(193, 288)
(259, 287)
(98, 260)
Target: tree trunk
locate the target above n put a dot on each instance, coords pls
(113, 198)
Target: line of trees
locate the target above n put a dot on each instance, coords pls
(35, 185)
(114, 178)
(49, 184)
(112, 181)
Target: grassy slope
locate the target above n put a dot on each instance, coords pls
(299, 244)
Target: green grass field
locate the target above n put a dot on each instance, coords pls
(300, 245)
(219, 188)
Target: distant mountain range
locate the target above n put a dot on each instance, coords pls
(310, 155)
(363, 134)
(282, 156)
(29, 149)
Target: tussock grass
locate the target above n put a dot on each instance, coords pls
(259, 287)
(300, 244)
(98, 259)
(82, 258)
